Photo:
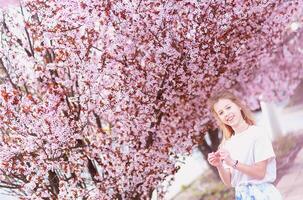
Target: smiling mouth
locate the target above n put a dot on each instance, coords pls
(229, 119)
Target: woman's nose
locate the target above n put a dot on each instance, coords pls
(226, 114)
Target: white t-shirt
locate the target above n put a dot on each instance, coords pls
(248, 147)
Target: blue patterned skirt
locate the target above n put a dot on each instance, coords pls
(263, 191)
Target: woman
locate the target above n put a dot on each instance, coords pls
(245, 159)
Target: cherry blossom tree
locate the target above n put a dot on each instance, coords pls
(5, 3)
(279, 73)
(99, 98)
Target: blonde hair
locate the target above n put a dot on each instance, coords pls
(246, 113)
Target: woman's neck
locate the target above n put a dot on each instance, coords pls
(240, 127)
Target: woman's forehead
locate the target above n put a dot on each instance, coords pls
(221, 103)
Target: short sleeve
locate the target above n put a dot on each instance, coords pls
(263, 148)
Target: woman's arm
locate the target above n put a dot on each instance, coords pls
(214, 160)
(257, 170)
(224, 175)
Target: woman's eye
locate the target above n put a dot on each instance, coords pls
(228, 107)
(220, 113)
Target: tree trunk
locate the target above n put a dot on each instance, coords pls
(206, 148)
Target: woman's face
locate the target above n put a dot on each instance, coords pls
(228, 112)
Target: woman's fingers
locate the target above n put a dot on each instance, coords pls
(223, 153)
(211, 155)
(212, 162)
(212, 158)
(215, 158)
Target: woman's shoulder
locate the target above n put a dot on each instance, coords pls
(258, 131)
(256, 127)
(224, 144)
(254, 131)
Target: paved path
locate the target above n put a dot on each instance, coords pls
(291, 184)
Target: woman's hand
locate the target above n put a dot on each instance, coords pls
(214, 159)
(224, 155)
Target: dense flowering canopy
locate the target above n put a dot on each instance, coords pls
(5, 3)
(99, 97)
